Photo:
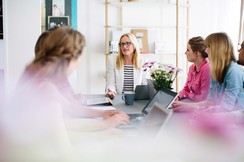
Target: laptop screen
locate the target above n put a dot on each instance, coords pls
(164, 97)
(155, 120)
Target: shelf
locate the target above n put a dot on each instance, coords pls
(142, 27)
(151, 54)
(165, 21)
(158, 54)
(136, 3)
(147, 27)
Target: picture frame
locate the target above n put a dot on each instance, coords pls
(54, 21)
(59, 8)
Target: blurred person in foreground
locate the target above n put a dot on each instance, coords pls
(34, 124)
(77, 106)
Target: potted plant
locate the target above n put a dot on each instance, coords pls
(162, 75)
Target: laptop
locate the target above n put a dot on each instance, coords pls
(151, 90)
(155, 121)
(141, 92)
(164, 97)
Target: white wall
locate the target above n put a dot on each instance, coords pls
(215, 16)
(22, 27)
(91, 74)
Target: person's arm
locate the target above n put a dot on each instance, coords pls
(110, 74)
(82, 124)
(77, 110)
(195, 105)
(233, 86)
(185, 91)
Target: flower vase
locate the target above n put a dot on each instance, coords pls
(159, 84)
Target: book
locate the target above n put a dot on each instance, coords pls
(99, 101)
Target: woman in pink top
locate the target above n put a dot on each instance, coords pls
(198, 79)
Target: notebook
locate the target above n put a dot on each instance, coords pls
(164, 97)
(99, 101)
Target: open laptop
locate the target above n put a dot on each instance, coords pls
(141, 92)
(145, 92)
(155, 121)
(164, 97)
(151, 90)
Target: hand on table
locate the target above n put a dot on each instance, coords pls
(111, 94)
(109, 113)
(116, 119)
(179, 106)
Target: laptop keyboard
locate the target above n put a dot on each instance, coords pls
(135, 121)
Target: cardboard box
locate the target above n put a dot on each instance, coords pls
(142, 38)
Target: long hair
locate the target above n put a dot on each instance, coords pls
(197, 45)
(54, 51)
(136, 55)
(221, 54)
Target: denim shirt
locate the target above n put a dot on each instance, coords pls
(230, 93)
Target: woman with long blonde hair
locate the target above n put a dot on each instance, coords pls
(124, 71)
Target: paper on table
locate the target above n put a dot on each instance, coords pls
(103, 107)
(99, 101)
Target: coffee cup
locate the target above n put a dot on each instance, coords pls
(128, 97)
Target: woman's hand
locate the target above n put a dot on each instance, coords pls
(109, 113)
(120, 118)
(179, 106)
(111, 94)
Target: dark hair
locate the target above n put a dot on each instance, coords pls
(197, 45)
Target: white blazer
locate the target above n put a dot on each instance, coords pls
(115, 77)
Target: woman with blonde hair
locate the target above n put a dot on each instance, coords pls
(124, 71)
(226, 86)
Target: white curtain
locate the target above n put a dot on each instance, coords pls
(241, 26)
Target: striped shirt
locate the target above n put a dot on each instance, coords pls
(128, 78)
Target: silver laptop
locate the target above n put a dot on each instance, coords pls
(155, 121)
(151, 90)
(164, 97)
